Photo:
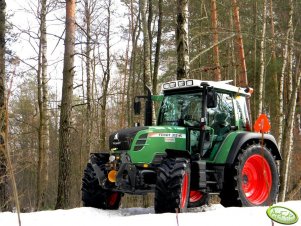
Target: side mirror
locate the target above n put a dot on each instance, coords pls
(137, 106)
(211, 99)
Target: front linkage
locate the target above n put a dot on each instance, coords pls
(117, 173)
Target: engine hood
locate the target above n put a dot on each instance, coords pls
(122, 139)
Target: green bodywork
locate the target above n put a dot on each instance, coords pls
(221, 151)
(161, 138)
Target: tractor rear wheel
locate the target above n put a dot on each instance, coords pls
(253, 180)
(93, 195)
(172, 185)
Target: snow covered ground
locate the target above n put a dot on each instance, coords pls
(214, 215)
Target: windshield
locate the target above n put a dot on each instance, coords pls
(181, 109)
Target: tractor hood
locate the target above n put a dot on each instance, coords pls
(122, 139)
(144, 144)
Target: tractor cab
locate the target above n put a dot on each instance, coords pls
(208, 111)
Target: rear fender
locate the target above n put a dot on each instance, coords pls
(229, 150)
(243, 139)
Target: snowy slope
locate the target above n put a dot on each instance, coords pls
(214, 215)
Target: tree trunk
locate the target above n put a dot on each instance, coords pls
(3, 161)
(135, 29)
(291, 64)
(10, 168)
(288, 140)
(281, 80)
(43, 131)
(64, 178)
(135, 33)
(262, 59)
(149, 3)
(89, 123)
(274, 103)
(125, 84)
(106, 78)
(147, 77)
(202, 13)
(288, 127)
(232, 47)
(294, 191)
(217, 70)
(146, 45)
(182, 41)
(254, 107)
(158, 47)
(243, 78)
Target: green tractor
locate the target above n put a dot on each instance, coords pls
(202, 145)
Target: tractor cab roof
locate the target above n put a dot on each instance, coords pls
(193, 83)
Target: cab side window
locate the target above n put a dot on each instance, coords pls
(222, 117)
(242, 112)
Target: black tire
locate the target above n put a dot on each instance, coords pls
(253, 180)
(172, 185)
(93, 195)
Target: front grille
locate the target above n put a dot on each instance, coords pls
(140, 142)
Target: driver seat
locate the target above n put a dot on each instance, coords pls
(220, 124)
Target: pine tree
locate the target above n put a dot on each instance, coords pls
(64, 179)
(182, 42)
(217, 70)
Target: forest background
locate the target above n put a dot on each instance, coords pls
(116, 47)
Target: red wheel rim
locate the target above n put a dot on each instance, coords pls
(112, 199)
(256, 179)
(184, 191)
(195, 196)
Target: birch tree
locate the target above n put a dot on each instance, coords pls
(158, 46)
(262, 58)
(43, 131)
(64, 178)
(286, 141)
(281, 80)
(273, 103)
(287, 144)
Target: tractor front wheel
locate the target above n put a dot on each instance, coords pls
(93, 195)
(172, 186)
(253, 180)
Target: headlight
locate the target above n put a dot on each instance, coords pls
(112, 158)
